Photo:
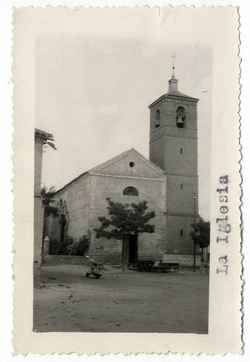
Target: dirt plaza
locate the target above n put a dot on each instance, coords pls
(121, 302)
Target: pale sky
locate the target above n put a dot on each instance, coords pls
(94, 85)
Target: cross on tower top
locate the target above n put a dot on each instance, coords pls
(174, 57)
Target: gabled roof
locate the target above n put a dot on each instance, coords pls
(122, 155)
(98, 168)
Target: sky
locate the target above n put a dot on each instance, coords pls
(94, 85)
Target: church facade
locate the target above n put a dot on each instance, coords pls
(168, 181)
(127, 178)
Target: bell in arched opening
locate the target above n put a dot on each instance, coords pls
(180, 117)
(157, 118)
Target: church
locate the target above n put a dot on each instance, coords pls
(168, 181)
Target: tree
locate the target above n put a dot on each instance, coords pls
(201, 234)
(48, 201)
(125, 220)
(78, 247)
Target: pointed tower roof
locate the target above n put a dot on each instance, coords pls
(173, 92)
(173, 89)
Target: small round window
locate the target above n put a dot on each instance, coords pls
(131, 164)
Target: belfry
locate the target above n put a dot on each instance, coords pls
(173, 147)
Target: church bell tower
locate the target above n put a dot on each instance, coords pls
(173, 147)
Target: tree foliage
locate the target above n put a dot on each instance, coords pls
(201, 233)
(48, 201)
(125, 219)
(78, 248)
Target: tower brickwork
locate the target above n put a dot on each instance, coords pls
(173, 147)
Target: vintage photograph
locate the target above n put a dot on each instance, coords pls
(127, 217)
(122, 176)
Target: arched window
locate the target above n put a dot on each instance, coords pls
(130, 191)
(180, 117)
(157, 118)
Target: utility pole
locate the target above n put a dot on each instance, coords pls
(194, 197)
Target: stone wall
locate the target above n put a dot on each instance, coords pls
(184, 260)
(181, 156)
(52, 228)
(180, 191)
(178, 234)
(157, 152)
(76, 197)
(65, 260)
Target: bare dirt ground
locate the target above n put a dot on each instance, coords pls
(121, 302)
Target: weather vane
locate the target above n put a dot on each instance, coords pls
(174, 57)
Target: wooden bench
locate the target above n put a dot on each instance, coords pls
(167, 267)
(148, 266)
(142, 265)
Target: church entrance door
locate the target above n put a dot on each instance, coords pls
(133, 248)
(129, 249)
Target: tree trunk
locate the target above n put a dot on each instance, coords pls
(123, 254)
(202, 254)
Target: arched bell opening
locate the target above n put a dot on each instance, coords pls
(157, 118)
(180, 117)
